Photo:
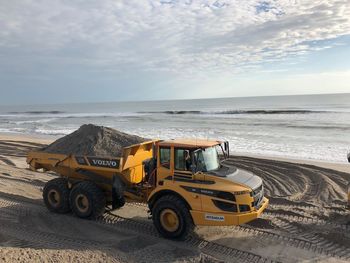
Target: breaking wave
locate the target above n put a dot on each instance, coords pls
(238, 112)
(36, 112)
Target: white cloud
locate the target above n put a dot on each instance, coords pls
(163, 35)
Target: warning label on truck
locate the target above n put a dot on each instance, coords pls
(80, 160)
(211, 217)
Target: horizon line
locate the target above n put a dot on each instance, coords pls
(187, 99)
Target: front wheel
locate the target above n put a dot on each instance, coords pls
(172, 218)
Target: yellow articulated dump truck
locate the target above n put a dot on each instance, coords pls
(183, 182)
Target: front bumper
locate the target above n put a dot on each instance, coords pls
(227, 219)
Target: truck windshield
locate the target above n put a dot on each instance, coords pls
(207, 159)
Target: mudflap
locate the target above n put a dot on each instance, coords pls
(118, 187)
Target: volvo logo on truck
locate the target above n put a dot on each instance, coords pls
(101, 162)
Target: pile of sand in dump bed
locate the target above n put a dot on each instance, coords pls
(93, 140)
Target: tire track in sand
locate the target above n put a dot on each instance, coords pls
(27, 209)
(304, 200)
(36, 184)
(300, 182)
(207, 247)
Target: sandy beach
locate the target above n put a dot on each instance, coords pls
(307, 220)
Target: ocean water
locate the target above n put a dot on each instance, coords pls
(303, 127)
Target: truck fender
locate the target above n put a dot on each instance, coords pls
(152, 199)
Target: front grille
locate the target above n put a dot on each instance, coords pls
(258, 195)
(257, 190)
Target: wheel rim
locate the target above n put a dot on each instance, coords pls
(169, 220)
(82, 203)
(54, 197)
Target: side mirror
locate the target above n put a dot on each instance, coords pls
(193, 168)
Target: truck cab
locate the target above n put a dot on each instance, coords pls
(213, 193)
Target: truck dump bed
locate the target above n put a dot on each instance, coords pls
(100, 169)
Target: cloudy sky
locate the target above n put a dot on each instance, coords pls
(55, 51)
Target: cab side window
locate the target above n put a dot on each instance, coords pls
(164, 157)
(182, 160)
(179, 159)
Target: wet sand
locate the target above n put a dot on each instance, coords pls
(306, 221)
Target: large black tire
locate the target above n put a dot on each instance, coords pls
(170, 206)
(56, 195)
(87, 200)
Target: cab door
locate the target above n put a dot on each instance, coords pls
(164, 163)
(182, 170)
(185, 180)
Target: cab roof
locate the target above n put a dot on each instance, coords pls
(189, 143)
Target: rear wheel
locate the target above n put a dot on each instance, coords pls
(172, 218)
(87, 200)
(56, 195)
